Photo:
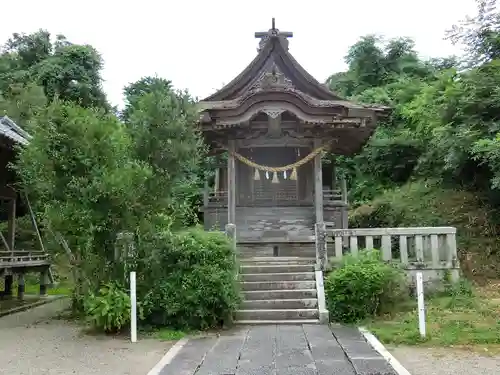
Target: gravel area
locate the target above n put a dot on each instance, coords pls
(31, 342)
(434, 361)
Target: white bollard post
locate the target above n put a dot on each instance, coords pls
(133, 308)
(421, 304)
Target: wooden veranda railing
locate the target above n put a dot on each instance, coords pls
(216, 197)
(21, 258)
(333, 196)
(329, 197)
(432, 250)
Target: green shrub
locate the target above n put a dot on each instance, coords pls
(364, 286)
(188, 281)
(459, 294)
(109, 310)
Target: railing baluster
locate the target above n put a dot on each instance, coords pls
(353, 240)
(403, 249)
(369, 242)
(451, 241)
(419, 248)
(386, 248)
(338, 248)
(435, 250)
(426, 240)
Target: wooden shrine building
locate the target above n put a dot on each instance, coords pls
(276, 121)
(16, 261)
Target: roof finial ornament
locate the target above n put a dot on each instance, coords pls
(273, 32)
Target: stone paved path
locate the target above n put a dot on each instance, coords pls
(280, 350)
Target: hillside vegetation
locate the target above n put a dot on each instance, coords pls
(436, 159)
(426, 203)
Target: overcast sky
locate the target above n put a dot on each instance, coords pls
(201, 45)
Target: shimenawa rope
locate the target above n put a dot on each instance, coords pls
(275, 170)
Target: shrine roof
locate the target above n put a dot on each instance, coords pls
(296, 105)
(275, 69)
(10, 130)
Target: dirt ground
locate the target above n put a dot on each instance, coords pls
(32, 342)
(435, 361)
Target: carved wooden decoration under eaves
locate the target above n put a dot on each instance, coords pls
(273, 113)
(272, 79)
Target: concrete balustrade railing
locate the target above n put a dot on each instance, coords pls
(432, 250)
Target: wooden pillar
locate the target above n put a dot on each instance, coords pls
(20, 286)
(8, 283)
(334, 176)
(11, 226)
(217, 180)
(343, 187)
(231, 184)
(318, 184)
(345, 209)
(44, 280)
(205, 193)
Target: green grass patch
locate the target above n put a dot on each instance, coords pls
(58, 290)
(452, 320)
(167, 334)
(34, 289)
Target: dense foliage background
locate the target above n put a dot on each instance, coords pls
(118, 188)
(436, 160)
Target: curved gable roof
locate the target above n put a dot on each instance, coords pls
(273, 52)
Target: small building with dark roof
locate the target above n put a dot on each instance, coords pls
(275, 121)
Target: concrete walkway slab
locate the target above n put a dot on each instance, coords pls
(300, 349)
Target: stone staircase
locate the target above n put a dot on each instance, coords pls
(278, 290)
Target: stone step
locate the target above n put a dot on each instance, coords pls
(273, 322)
(283, 251)
(264, 261)
(269, 304)
(277, 285)
(250, 295)
(295, 276)
(277, 314)
(276, 268)
(244, 262)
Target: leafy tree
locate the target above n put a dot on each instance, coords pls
(146, 85)
(65, 70)
(162, 122)
(444, 127)
(23, 103)
(479, 34)
(87, 185)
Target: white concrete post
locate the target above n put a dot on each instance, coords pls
(421, 304)
(133, 308)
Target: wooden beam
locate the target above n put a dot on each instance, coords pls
(11, 227)
(4, 241)
(33, 222)
(217, 179)
(343, 187)
(205, 192)
(231, 184)
(318, 183)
